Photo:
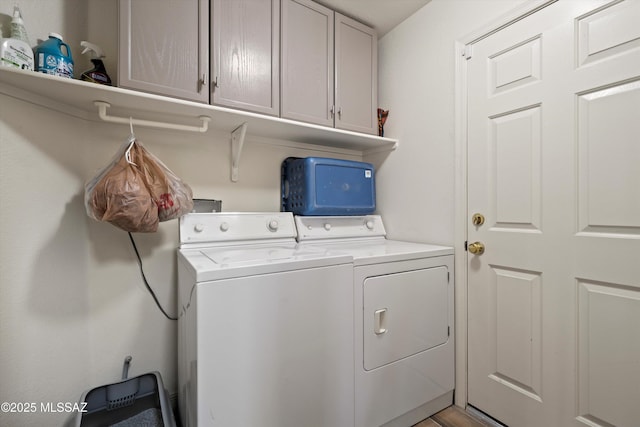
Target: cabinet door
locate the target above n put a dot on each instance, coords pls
(164, 46)
(245, 58)
(356, 56)
(307, 62)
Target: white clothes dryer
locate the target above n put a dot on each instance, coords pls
(265, 330)
(404, 318)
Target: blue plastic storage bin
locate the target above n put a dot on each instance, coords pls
(324, 186)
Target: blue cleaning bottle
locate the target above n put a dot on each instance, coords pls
(53, 56)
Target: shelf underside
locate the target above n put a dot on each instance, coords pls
(77, 98)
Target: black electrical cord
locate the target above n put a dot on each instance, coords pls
(146, 283)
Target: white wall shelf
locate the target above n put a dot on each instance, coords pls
(77, 98)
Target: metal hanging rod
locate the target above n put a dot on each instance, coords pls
(102, 113)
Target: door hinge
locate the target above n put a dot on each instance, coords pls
(468, 52)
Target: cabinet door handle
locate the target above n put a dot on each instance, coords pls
(340, 113)
(202, 82)
(333, 111)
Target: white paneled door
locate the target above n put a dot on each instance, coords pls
(554, 168)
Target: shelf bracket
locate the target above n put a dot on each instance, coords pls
(102, 113)
(237, 142)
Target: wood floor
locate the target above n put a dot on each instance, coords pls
(453, 416)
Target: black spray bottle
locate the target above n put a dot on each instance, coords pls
(98, 74)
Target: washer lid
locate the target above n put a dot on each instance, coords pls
(214, 263)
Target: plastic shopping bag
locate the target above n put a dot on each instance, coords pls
(173, 197)
(136, 191)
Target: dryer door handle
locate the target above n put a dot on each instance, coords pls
(380, 321)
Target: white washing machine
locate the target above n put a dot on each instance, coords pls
(403, 304)
(265, 327)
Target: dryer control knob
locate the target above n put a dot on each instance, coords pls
(198, 228)
(273, 225)
(224, 227)
(370, 224)
(327, 226)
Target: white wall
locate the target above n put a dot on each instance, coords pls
(72, 304)
(417, 83)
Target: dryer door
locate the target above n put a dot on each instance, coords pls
(404, 313)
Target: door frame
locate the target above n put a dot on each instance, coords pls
(460, 210)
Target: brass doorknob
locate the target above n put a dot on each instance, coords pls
(476, 248)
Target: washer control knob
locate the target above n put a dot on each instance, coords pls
(273, 225)
(198, 228)
(327, 226)
(224, 227)
(370, 224)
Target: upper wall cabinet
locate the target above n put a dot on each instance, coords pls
(164, 47)
(329, 68)
(290, 58)
(307, 62)
(356, 80)
(245, 55)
